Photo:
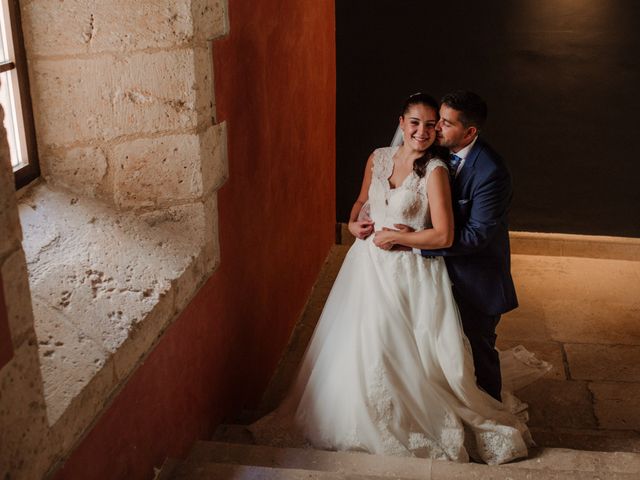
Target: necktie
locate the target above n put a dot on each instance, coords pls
(454, 162)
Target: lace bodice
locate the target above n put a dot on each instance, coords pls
(408, 202)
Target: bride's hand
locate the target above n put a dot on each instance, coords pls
(384, 238)
(361, 229)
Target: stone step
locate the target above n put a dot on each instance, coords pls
(166, 471)
(233, 433)
(573, 439)
(592, 440)
(221, 471)
(543, 463)
(437, 471)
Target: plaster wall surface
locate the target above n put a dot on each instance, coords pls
(275, 91)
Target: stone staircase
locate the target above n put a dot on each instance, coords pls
(581, 433)
(222, 460)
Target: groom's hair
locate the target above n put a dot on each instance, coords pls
(472, 108)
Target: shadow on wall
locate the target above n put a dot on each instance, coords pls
(560, 78)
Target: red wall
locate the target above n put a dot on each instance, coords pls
(275, 87)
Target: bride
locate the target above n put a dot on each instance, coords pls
(388, 369)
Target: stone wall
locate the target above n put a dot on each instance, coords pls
(23, 421)
(123, 97)
(6, 343)
(122, 230)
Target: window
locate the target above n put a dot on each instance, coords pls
(14, 96)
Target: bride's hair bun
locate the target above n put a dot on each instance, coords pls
(419, 98)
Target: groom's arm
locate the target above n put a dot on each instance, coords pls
(489, 206)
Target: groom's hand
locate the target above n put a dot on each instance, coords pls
(403, 228)
(400, 228)
(384, 238)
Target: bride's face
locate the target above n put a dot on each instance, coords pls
(418, 125)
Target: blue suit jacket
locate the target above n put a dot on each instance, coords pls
(479, 261)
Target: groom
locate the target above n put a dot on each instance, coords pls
(478, 262)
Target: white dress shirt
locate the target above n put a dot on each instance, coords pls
(463, 153)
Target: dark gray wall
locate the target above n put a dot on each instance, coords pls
(561, 78)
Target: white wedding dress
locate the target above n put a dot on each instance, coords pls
(388, 369)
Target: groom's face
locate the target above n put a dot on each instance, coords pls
(450, 131)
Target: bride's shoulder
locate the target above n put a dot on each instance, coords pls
(436, 163)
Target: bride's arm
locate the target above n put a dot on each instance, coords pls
(441, 235)
(362, 229)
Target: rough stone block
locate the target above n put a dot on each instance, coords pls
(69, 359)
(23, 420)
(84, 408)
(103, 300)
(204, 94)
(102, 280)
(157, 171)
(143, 336)
(82, 170)
(616, 363)
(593, 321)
(617, 284)
(527, 322)
(82, 26)
(557, 404)
(106, 271)
(210, 18)
(90, 299)
(40, 234)
(188, 281)
(557, 303)
(82, 100)
(187, 284)
(601, 247)
(513, 471)
(569, 245)
(588, 439)
(214, 159)
(617, 405)
(17, 297)
(9, 223)
(526, 243)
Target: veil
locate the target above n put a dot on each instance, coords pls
(397, 138)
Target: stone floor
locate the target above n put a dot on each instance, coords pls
(580, 314)
(583, 316)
